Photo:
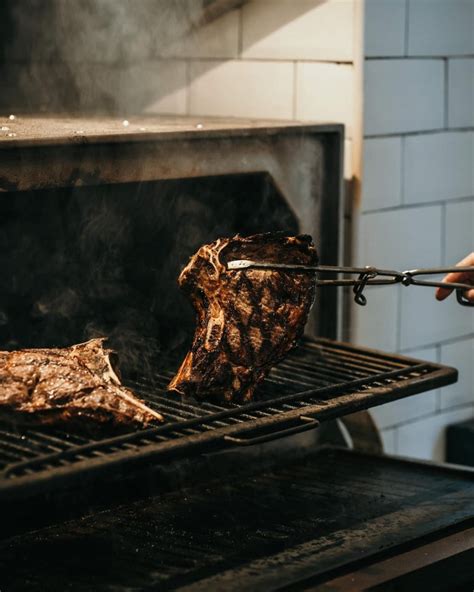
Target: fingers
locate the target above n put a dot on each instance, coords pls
(442, 293)
(467, 261)
(461, 277)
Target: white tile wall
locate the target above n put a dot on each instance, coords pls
(326, 92)
(409, 408)
(384, 28)
(382, 183)
(459, 231)
(218, 39)
(406, 99)
(440, 27)
(403, 96)
(438, 166)
(461, 92)
(241, 89)
(460, 355)
(401, 239)
(376, 325)
(298, 30)
(426, 437)
(425, 321)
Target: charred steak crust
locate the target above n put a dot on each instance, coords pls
(246, 320)
(68, 386)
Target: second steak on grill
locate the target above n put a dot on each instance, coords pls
(69, 387)
(247, 320)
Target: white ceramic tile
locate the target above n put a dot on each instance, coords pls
(460, 355)
(440, 27)
(398, 412)
(426, 321)
(461, 92)
(426, 438)
(384, 27)
(403, 96)
(242, 89)
(218, 39)
(401, 239)
(325, 92)
(459, 231)
(389, 440)
(438, 166)
(376, 325)
(381, 183)
(298, 29)
(154, 87)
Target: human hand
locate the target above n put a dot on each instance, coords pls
(464, 277)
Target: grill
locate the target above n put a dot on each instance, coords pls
(296, 522)
(320, 380)
(179, 184)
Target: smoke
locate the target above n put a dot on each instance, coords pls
(104, 261)
(99, 56)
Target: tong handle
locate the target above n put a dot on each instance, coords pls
(462, 299)
(412, 275)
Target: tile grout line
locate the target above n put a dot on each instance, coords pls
(240, 36)
(439, 390)
(446, 93)
(398, 339)
(413, 57)
(425, 132)
(443, 234)
(402, 170)
(407, 26)
(419, 204)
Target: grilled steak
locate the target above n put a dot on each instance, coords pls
(246, 320)
(69, 386)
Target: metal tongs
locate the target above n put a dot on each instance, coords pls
(368, 276)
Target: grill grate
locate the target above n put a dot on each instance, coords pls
(320, 380)
(261, 532)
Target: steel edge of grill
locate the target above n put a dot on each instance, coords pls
(219, 427)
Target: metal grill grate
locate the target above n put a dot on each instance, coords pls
(261, 532)
(320, 380)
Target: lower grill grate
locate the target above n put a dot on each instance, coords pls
(258, 533)
(320, 380)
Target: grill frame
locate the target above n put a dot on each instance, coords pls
(254, 423)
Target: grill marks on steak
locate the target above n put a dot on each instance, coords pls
(68, 386)
(246, 320)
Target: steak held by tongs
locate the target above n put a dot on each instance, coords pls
(74, 386)
(246, 321)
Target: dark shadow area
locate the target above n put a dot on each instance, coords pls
(80, 263)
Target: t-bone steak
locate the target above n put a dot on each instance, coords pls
(247, 320)
(68, 386)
